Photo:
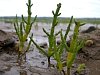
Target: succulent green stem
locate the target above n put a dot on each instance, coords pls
(51, 36)
(68, 71)
(23, 29)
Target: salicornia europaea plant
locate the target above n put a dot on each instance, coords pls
(23, 29)
(60, 48)
(75, 46)
(51, 36)
(80, 68)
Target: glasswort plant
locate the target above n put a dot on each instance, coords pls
(23, 29)
(51, 36)
(75, 46)
(60, 48)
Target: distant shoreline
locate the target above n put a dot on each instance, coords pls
(49, 19)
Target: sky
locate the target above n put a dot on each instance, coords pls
(43, 8)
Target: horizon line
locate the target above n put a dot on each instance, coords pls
(47, 17)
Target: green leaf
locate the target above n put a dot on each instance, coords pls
(21, 32)
(34, 20)
(68, 28)
(53, 13)
(70, 59)
(64, 42)
(46, 32)
(24, 19)
(60, 65)
(39, 47)
(29, 44)
(57, 33)
(81, 45)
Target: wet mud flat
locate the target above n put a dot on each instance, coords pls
(36, 63)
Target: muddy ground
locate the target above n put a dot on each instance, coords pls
(36, 63)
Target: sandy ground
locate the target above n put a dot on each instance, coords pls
(36, 63)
